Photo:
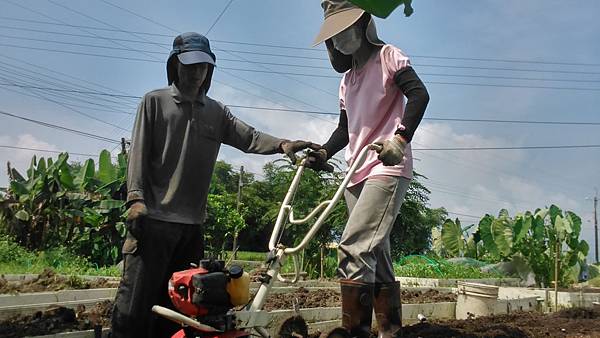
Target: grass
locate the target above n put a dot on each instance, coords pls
(249, 256)
(425, 267)
(15, 259)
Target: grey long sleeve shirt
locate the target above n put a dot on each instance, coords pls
(174, 148)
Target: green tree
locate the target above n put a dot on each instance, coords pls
(411, 233)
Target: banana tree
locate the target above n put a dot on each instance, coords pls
(56, 203)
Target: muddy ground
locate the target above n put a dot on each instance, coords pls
(331, 298)
(62, 319)
(571, 323)
(57, 319)
(48, 280)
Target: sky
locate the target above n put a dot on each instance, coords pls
(535, 60)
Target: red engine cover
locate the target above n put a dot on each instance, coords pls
(181, 290)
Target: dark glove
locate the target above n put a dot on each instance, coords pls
(392, 151)
(317, 161)
(290, 148)
(136, 210)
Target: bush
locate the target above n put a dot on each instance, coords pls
(427, 267)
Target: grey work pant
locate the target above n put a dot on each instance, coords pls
(364, 251)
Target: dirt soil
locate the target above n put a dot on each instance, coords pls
(331, 298)
(569, 323)
(58, 319)
(48, 280)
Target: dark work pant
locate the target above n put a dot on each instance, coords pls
(152, 251)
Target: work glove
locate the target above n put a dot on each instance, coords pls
(392, 151)
(317, 161)
(290, 148)
(136, 210)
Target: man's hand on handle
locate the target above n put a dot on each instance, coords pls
(290, 148)
(317, 161)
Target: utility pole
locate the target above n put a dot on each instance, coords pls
(239, 202)
(596, 223)
(123, 146)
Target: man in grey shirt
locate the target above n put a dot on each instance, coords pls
(176, 140)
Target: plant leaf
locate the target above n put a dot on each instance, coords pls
(452, 237)
(106, 170)
(485, 231)
(22, 215)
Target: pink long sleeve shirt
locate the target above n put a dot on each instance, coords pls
(375, 106)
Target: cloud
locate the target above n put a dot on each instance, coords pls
(20, 158)
(293, 126)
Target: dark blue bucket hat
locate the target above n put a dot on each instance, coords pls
(190, 48)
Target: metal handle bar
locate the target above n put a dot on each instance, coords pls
(181, 319)
(329, 205)
(307, 218)
(296, 272)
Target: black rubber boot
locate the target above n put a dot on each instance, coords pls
(357, 308)
(388, 309)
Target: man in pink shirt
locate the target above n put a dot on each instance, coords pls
(377, 78)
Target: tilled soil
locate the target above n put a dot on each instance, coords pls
(570, 323)
(331, 298)
(61, 319)
(58, 319)
(48, 280)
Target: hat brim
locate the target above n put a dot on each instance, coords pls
(336, 23)
(195, 56)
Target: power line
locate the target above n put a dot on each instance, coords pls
(138, 15)
(84, 26)
(71, 91)
(316, 112)
(509, 69)
(47, 151)
(293, 56)
(81, 53)
(512, 148)
(507, 60)
(26, 29)
(509, 86)
(78, 85)
(97, 20)
(315, 67)
(300, 74)
(427, 117)
(27, 81)
(269, 89)
(53, 126)
(128, 49)
(62, 104)
(57, 20)
(218, 18)
(272, 45)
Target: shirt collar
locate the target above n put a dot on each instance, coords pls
(178, 97)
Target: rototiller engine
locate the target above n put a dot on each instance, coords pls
(208, 293)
